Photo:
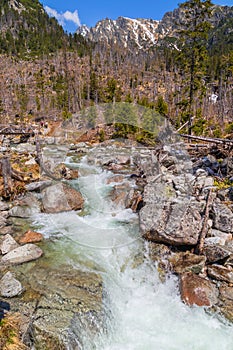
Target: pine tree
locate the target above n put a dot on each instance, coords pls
(193, 55)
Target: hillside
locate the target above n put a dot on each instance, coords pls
(26, 29)
(45, 72)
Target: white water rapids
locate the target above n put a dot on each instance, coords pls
(142, 313)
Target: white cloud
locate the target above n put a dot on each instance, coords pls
(64, 16)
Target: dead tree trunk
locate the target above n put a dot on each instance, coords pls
(6, 174)
(204, 230)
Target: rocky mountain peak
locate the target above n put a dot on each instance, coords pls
(142, 34)
(124, 31)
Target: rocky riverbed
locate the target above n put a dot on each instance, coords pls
(170, 194)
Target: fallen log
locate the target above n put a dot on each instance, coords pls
(208, 139)
(204, 230)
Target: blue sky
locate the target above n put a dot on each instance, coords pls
(72, 13)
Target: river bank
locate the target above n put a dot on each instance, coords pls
(66, 289)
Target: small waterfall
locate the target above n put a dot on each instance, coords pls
(141, 313)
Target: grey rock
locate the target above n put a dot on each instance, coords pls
(7, 244)
(25, 147)
(38, 186)
(4, 206)
(224, 237)
(222, 217)
(22, 254)
(23, 211)
(3, 221)
(215, 252)
(26, 207)
(9, 286)
(173, 223)
(60, 197)
(68, 301)
(123, 159)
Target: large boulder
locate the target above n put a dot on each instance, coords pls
(61, 197)
(170, 214)
(177, 223)
(22, 254)
(197, 290)
(64, 301)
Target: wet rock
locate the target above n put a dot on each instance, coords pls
(26, 207)
(222, 217)
(7, 244)
(60, 197)
(66, 300)
(31, 237)
(62, 171)
(197, 290)
(9, 286)
(115, 179)
(226, 297)
(160, 253)
(221, 273)
(119, 194)
(134, 200)
(71, 174)
(216, 252)
(22, 254)
(187, 262)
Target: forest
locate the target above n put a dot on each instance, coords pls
(188, 77)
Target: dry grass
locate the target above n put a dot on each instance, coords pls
(10, 333)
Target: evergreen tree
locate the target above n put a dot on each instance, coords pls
(193, 49)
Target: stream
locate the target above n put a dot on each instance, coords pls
(140, 312)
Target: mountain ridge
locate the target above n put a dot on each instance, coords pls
(146, 33)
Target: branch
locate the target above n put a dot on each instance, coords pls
(204, 230)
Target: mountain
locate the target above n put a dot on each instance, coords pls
(142, 34)
(25, 28)
(126, 32)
